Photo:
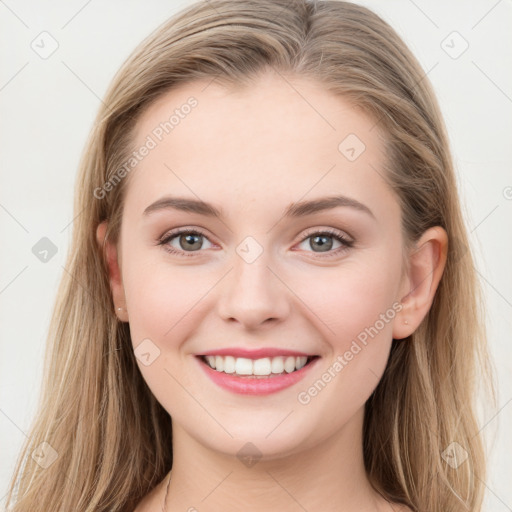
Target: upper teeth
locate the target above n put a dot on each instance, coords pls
(264, 366)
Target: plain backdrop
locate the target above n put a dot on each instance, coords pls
(47, 106)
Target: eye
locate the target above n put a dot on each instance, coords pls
(322, 240)
(187, 241)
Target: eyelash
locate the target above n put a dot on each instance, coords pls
(165, 239)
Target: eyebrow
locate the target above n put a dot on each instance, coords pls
(294, 210)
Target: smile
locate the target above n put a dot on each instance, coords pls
(263, 367)
(256, 375)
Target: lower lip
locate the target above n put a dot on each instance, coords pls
(252, 385)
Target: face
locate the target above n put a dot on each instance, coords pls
(269, 278)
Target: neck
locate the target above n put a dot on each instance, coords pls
(328, 476)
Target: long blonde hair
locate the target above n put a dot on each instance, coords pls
(111, 438)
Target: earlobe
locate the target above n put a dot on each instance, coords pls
(426, 265)
(109, 252)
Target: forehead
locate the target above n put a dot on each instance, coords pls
(277, 139)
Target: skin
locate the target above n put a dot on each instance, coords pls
(252, 152)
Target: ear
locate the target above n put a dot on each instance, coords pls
(426, 265)
(109, 251)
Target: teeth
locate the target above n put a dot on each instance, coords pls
(289, 364)
(243, 366)
(258, 367)
(277, 365)
(229, 364)
(262, 366)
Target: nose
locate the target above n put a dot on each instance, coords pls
(253, 295)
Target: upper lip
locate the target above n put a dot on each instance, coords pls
(254, 353)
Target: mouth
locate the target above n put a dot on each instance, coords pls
(256, 375)
(262, 368)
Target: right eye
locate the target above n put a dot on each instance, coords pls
(186, 238)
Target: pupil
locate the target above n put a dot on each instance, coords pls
(324, 246)
(189, 239)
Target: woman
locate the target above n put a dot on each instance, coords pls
(205, 354)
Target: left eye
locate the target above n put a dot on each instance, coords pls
(323, 241)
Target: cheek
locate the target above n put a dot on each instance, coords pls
(359, 310)
(164, 307)
(352, 299)
(159, 298)
(166, 302)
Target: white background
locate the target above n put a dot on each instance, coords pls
(47, 107)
